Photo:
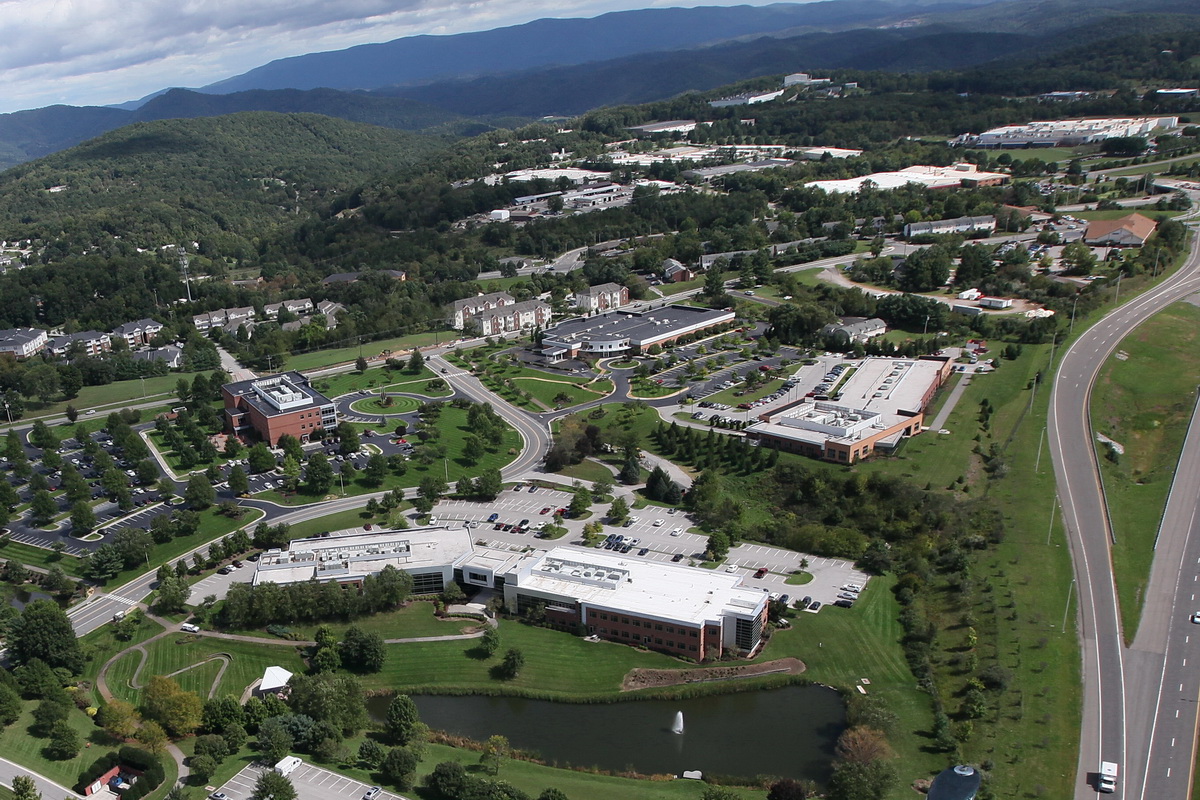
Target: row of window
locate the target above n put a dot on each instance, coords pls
(658, 626)
(652, 639)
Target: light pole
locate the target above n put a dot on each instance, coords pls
(1073, 304)
(143, 377)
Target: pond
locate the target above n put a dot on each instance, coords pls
(23, 597)
(787, 732)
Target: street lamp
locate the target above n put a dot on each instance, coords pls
(143, 377)
(1073, 304)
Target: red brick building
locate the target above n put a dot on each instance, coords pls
(267, 408)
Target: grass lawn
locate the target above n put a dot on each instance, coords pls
(37, 556)
(557, 664)
(101, 644)
(587, 470)
(1144, 403)
(648, 388)
(333, 522)
(1059, 154)
(19, 745)
(374, 378)
(170, 653)
(730, 397)
(121, 392)
(415, 619)
(374, 405)
(1155, 168)
(454, 431)
(172, 456)
(327, 358)
(669, 289)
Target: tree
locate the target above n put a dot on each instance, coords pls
(402, 720)
(415, 362)
(260, 459)
(863, 745)
(399, 767)
(360, 364)
(42, 631)
(473, 449)
(431, 488)
(83, 519)
(318, 474)
(239, 482)
(348, 439)
(64, 741)
(274, 740)
(581, 502)
(152, 737)
(291, 473)
(273, 786)
(787, 789)
(513, 661)
(23, 788)
(203, 766)
(371, 753)
(719, 793)
(376, 469)
(362, 651)
(173, 594)
(212, 745)
(490, 643)
(42, 508)
(199, 493)
(179, 712)
(10, 705)
(119, 719)
(618, 511)
(602, 487)
(488, 484)
(717, 547)
(631, 470)
(855, 781)
(495, 750)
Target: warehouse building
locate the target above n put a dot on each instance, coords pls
(625, 332)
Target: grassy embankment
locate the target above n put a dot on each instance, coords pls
(1143, 400)
(319, 359)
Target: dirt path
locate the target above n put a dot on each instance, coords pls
(655, 678)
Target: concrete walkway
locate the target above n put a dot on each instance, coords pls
(956, 393)
(46, 787)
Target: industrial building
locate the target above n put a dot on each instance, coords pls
(1064, 132)
(269, 407)
(683, 611)
(1129, 231)
(746, 99)
(668, 126)
(882, 401)
(709, 173)
(625, 332)
(952, 177)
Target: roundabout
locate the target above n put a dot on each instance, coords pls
(400, 404)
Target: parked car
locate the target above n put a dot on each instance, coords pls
(493, 517)
(189, 628)
(761, 572)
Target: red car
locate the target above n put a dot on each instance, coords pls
(760, 572)
(545, 510)
(562, 512)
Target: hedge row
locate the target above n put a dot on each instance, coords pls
(151, 768)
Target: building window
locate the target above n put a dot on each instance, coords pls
(670, 629)
(657, 640)
(695, 634)
(658, 627)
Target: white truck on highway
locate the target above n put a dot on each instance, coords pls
(1107, 782)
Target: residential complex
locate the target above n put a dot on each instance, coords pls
(882, 401)
(91, 343)
(1064, 132)
(139, 333)
(685, 611)
(23, 342)
(625, 332)
(267, 408)
(957, 225)
(604, 297)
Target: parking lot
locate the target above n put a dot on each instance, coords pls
(665, 536)
(312, 783)
(218, 585)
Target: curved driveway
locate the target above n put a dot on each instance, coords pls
(1106, 734)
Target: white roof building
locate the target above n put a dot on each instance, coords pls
(956, 175)
(274, 679)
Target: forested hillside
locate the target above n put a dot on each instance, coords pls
(221, 182)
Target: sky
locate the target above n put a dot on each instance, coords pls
(102, 52)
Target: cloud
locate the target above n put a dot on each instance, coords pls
(95, 52)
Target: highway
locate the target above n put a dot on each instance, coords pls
(1116, 724)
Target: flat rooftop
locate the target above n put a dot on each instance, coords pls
(636, 326)
(651, 589)
(356, 555)
(890, 385)
(278, 394)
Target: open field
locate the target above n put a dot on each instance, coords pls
(38, 556)
(401, 344)
(170, 653)
(1117, 213)
(374, 378)
(333, 522)
(212, 526)
(1144, 403)
(111, 394)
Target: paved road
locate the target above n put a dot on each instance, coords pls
(46, 787)
(1104, 734)
(1163, 691)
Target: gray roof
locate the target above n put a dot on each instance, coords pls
(603, 288)
(126, 328)
(17, 336)
(482, 299)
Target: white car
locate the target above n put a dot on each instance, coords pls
(658, 523)
(1196, 617)
(188, 627)
(731, 568)
(676, 531)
